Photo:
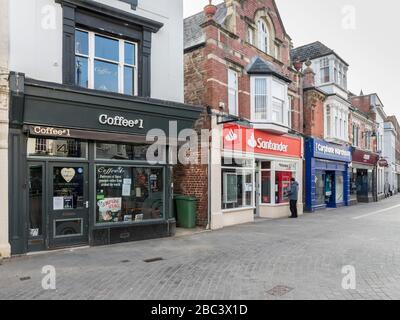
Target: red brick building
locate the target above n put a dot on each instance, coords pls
(237, 63)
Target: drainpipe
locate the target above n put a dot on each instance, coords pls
(209, 114)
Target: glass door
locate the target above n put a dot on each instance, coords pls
(68, 205)
(36, 206)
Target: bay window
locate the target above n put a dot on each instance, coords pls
(105, 63)
(270, 100)
(325, 77)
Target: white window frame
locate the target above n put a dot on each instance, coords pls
(250, 35)
(121, 63)
(263, 36)
(270, 98)
(233, 89)
(324, 64)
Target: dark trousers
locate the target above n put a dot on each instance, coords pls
(293, 208)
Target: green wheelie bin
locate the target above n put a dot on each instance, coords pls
(186, 211)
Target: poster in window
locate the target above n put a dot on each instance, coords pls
(109, 209)
(68, 203)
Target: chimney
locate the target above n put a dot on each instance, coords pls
(210, 10)
(309, 76)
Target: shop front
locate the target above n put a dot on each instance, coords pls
(86, 170)
(327, 175)
(257, 168)
(363, 177)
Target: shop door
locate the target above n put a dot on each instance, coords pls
(68, 214)
(330, 194)
(257, 194)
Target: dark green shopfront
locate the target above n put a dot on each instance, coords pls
(79, 167)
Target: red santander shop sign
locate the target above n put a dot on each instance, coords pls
(242, 139)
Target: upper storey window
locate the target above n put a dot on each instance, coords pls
(325, 78)
(263, 36)
(105, 63)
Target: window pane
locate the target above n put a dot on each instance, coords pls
(128, 80)
(282, 181)
(126, 194)
(266, 187)
(108, 151)
(105, 76)
(68, 184)
(68, 228)
(130, 53)
(81, 72)
(277, 111)
(260, 103)
(237, 188)
(58, 148)
(339, 188)
(106, 48)
(320, 178)
(35, 201)
(81, 42)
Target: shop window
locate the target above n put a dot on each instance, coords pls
(320, 193)
(129, 194)
(105, 63)
(57, 148)
(112, 151)
(278, 174)
(339, 188)
(282, 182)
(237, 184)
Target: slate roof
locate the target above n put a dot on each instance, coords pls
(260, 66)
(312, 51)
(193, 34)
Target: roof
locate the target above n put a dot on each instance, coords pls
(260, 66)
(312, 51)
(193, 33)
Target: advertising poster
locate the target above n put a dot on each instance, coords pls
(109, 208)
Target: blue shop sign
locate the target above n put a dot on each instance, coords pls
(329, 151)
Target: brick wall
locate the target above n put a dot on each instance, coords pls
(314, 113)
(206, 78)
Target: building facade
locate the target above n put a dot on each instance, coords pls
(371, 105)
(327, 110)
(83, 124)
(237, 63)
(363, 175)
(396, 125)
(389, 154)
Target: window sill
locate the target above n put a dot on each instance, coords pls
(277, 128)
(224, 211)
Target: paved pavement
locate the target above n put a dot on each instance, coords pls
(243, 262)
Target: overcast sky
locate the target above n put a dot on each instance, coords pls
(362, 32)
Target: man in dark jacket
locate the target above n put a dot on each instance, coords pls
(293, 195)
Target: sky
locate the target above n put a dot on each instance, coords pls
(361, 32)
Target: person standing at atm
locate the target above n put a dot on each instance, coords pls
(293, 195)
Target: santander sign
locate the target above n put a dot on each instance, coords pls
(243, 139)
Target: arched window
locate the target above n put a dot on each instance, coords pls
(263, 36)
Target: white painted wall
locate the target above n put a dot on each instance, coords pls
(36, 42)
(4, 94)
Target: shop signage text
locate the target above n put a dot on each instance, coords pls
(249, 140)
(118, 121)
(365, 157)
(325, 150)
(50, 131)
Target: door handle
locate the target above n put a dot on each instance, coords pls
(87, 204)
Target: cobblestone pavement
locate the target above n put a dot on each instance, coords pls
(242, 262)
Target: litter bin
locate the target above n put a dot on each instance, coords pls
(186, 211)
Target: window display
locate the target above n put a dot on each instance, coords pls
(237, 184)
(68, 184)
(275, 181)
(320, 178)
(339, 188)
(112, 151)
(129, 194)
